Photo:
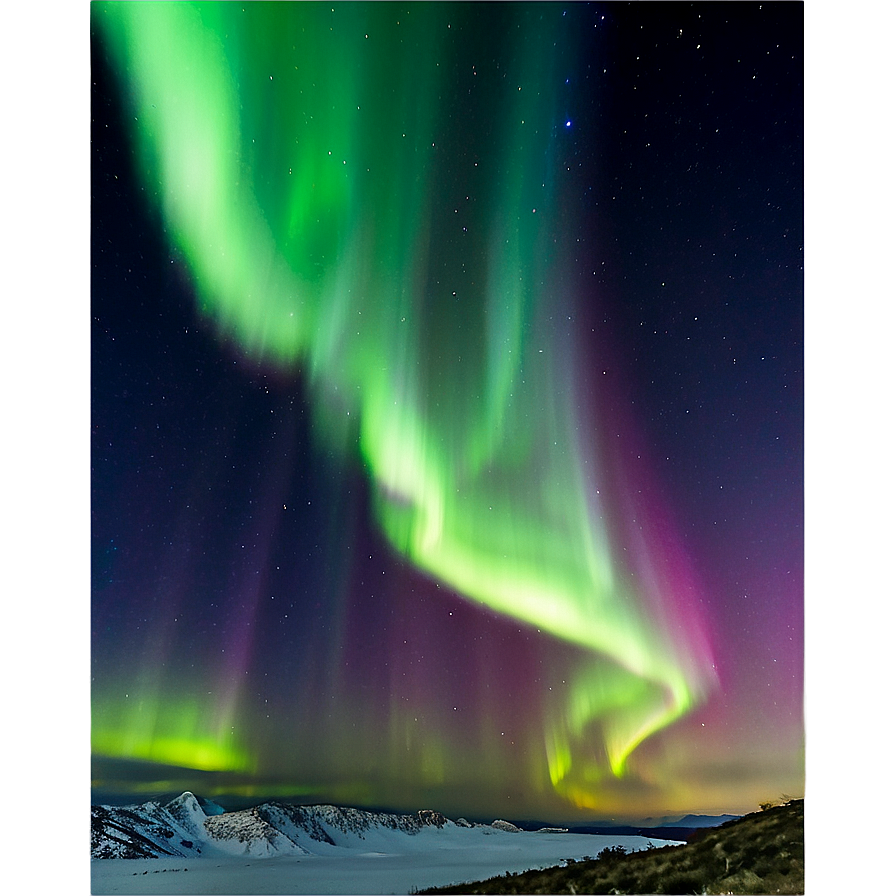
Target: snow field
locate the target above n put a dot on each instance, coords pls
(384, 862)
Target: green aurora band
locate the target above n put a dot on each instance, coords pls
(305, 160)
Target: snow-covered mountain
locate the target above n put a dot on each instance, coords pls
(181, 828)
(190, 846)
(148, 830)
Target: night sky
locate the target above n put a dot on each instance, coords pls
(447, 405)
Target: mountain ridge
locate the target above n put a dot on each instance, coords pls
(182, 827)
(232, 803)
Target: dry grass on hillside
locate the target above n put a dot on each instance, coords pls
(757, 854)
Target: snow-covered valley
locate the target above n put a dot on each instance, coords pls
(276, 848)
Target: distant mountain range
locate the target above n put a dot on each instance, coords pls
(182, 827)
(699, 821)
(190, 826)
(688, 822)
(667, 827)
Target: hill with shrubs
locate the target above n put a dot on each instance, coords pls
(756, 854)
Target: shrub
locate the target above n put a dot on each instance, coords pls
(681, 882)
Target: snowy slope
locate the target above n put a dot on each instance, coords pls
(186, 811)
(248, 833)
(148, 830)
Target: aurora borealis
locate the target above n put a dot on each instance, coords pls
(447, 404)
